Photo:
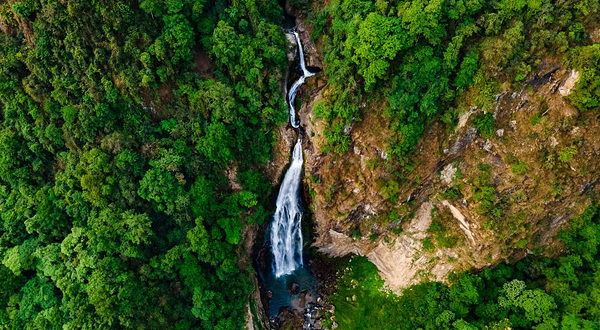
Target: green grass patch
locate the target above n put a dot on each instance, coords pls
(372, 306)
(520, 168)
(567, 153)
(443, 237)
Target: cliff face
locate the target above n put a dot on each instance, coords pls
(433, 219)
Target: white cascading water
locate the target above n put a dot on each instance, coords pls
(297, 83)
(286, 228)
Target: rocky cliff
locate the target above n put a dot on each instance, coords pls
(433, 217)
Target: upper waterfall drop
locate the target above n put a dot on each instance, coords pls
(286, 229)
(305, 73)
(297, 83)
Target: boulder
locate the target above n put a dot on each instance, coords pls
(302, 302)
(294, 288)
(292, 49)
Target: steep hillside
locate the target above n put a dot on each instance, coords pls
(494, 185)
(441, 216)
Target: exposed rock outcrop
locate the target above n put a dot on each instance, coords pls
(313, 57)
(569, 83)
(292, 49)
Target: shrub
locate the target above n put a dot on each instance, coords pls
(566, 154)
(484, 123)
(586, 94)
(520, 168)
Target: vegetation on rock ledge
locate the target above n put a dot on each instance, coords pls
(535, 293)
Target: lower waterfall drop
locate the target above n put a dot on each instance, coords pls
(286, 229)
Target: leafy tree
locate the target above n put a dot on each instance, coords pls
(587, 89)
(373, 48)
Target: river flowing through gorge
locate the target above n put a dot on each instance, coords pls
(288, 281)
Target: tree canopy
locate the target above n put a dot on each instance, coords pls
(118, 121)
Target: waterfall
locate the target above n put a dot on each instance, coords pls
(286, 228)
(286, 231)
(297, 83)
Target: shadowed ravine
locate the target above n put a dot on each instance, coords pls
(289, 283)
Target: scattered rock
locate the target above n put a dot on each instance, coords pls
(320, 302)
(448, 173)
(462, 141)
(500, 132)
(521, 104)
(487, 146)
(462, 221)
(422, 220)
(320, 83)
(347, 129)
(595, 36)
(575, 131)
(462, 121)
(498, 97)
(567, 86)
(231, 174)
(383, 155)
(302, 302)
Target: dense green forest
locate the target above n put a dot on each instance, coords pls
(119, 119)
(132, 135)
(535, 293)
